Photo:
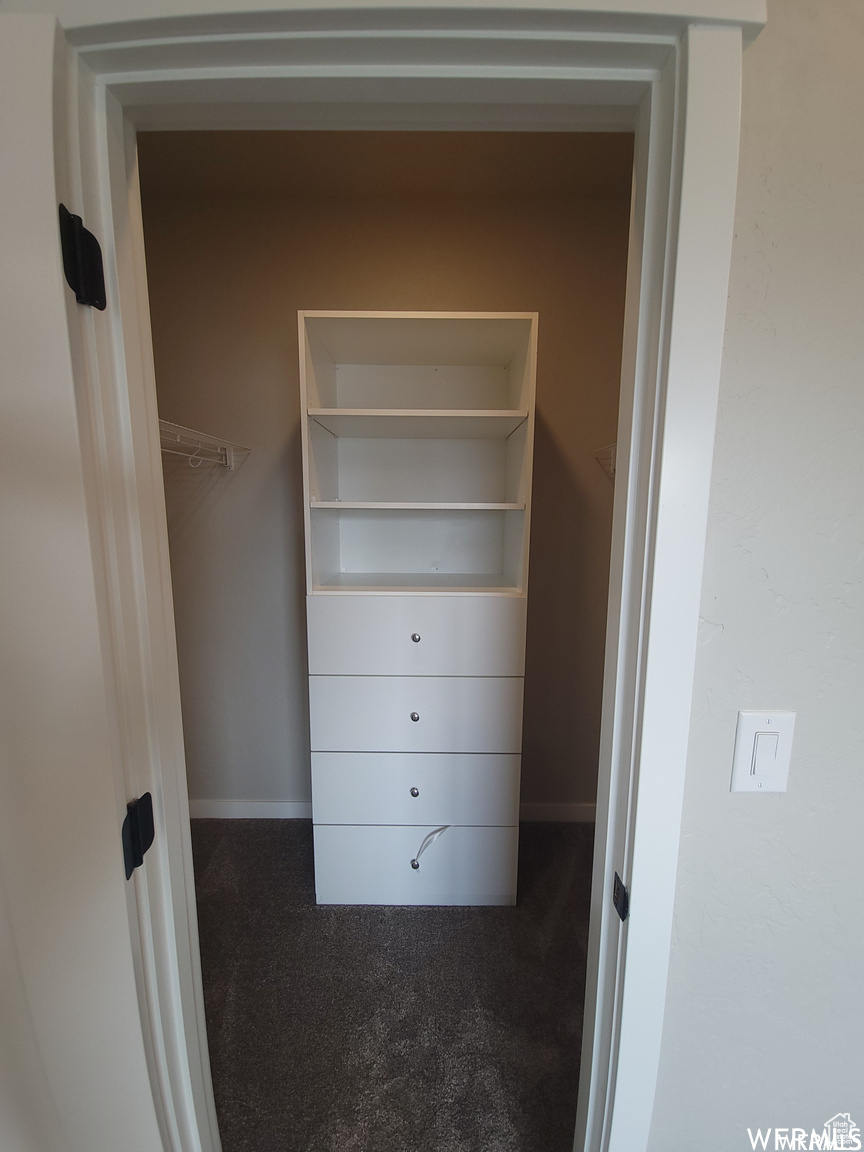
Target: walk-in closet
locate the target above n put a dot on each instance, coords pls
(387, 368)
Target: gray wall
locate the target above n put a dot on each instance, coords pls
(765, 1011)
(227, 276)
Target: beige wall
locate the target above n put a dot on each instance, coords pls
(765, 1011)
(226, 279)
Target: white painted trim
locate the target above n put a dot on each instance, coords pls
(555, 812)
(122, 453)
(696, 290)
(75, 1044)
(250, 809)
(629, 598)
(659, 508)
(269, 17)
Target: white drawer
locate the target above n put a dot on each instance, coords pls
(369, 865)
(459, 635)
(455, 713)
(452, 788)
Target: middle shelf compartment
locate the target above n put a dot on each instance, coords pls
(361, 469)
(428, 544)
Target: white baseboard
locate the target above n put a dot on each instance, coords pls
(250, 809)
(563, 813)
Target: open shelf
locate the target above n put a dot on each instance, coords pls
(417, 506)
(419, 424)
(395, 471)
(440, 547)
(478, 582)
(422, 361)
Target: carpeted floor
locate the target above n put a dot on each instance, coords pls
(390, 1029)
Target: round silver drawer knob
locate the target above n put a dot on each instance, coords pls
(416, 637)
(415, 716)
(415, 791)
(415, 864)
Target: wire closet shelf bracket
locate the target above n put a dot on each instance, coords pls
(199, 448)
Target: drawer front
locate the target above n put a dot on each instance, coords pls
(458, 635)
(368, 865)
(380, 787)
(454, 714)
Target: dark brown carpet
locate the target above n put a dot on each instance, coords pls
(390, 1029)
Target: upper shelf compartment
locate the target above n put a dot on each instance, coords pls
(418, 363)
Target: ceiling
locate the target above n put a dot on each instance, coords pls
(386, 164)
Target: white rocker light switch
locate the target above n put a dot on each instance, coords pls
(763, 746)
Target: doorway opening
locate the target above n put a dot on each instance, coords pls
(242, 230)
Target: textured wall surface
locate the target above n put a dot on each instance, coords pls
(226, 279)
(765, 1011)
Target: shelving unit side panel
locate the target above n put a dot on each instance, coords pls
(322, 463)
(528, 453)
(325, 546)
(320, 369)
(514, 548)
(515, 489)
(306, 372)
(520, 370)
(517, 390)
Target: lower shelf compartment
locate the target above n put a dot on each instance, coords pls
(483, 582)
(372, 864)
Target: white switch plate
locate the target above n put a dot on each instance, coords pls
(763, 747)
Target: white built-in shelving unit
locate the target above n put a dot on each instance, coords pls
(417, 442)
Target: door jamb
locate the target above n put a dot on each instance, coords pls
(687, 141)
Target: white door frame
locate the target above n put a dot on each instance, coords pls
(678, 85)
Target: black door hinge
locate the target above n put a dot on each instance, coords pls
(138, 831)
(82, 260)
(620, 898)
